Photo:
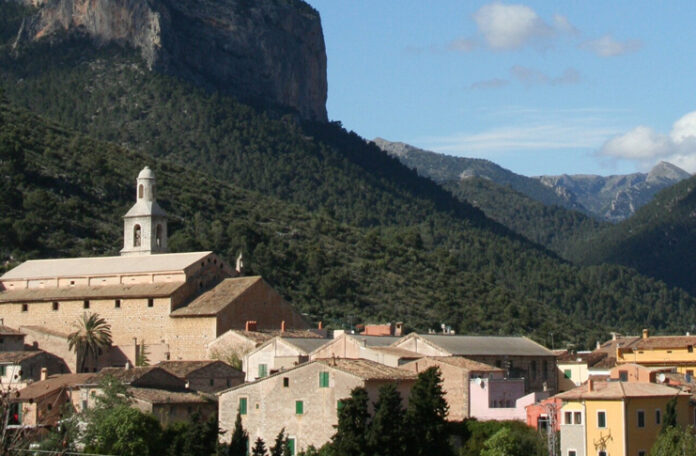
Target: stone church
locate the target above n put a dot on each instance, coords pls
(173, 304)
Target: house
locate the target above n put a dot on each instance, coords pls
(660, 351)
(305, 400)
(545, 415)
(209, 376)
(379, 349)
(173, 406)
(616, 418)
(574, 367)
(279, 353)
(500, 399)
(18, 368)
(457, 373)
(174, 304)
(10, 339)
(386, 329)
(520, 357)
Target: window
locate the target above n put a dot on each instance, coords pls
(641, 419)
(242, 405)
(85, 304)
(498, 363)
(602, 419)
(136, 236)
(3, 370)
(577, 418)
(602, 453)
(545, 367)
(568, 418)
(567, 373)
(140, 191)
(212, 382)
(291, 445)
(623, 376)
(572, 453)
(299, 407)
(55, 305)
(25, 307)
(263, 370)
(117, 304)
(150, 302)
(533, 370)
(690, 348)
(658, 416)
(286, 382)
(158, 236)
(323, 379)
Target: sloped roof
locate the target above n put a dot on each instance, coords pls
(150, 290)
(374, 341)
(589, 358)
(41, 388)
(368, 370)
(211, 302)
(15, 357)
(184, 369)
(659, 342)
(487, 345)
(306, 345)
(618, 390)
(609, 347)
(161, 396)
(79, 267)
(134, 374)
(466, 363)
(45, 330)
(397, 351)
(7, 331)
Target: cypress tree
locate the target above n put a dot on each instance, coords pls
(387, 436)
(280, 443)
(259, 448)
(240, 439)
(426, 416)
(350, 438)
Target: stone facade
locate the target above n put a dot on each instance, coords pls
(278, 354)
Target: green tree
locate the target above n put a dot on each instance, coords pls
(350, 438)
(91, 337)
(127, 432)
(510, 441)
(194, 438)
(670, 418)
(259, 448)
(239, 443)
(386, 435)
(427, 414)
(279, 444)
(674, 441)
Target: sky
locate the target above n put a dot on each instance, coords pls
(538, 87)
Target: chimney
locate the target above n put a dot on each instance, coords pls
(613, 336)
(590, 385)
(282, 326)
(646, 333)
(598, 345)
(320, 326)
(127, 365)
(398, 330)
(250, 325)
(44, 373)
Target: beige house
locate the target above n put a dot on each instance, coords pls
(379, 349)
(457, 373)
(209, 376)
(519, 357)
(305, 400)
(278, 354)
(173, 303)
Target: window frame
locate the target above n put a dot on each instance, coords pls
(640, 419)
(299, 407)
(603, 413)
(658, 416)
(324, 379)
(262, 370)
(243, 405)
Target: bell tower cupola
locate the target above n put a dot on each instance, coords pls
(145, 224)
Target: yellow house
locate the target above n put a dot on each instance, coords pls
(661, 351)
(616, 418)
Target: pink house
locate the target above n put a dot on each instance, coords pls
(500, 399)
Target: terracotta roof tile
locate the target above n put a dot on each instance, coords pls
(658, 342)
(211, 302)
(618, 390)
(7, 331)
(15, 357)
(184, 369)
(150, 290)
(41, 388)
(368, 370)
(160, 396)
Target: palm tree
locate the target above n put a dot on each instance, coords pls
(93, 335)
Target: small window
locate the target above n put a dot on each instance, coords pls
(49, 407)
(55, 305)
(263, 370)
(568, 417)
(140, 191)
(291, 446)
(577, 418)
(228, 382)
(601, 419)
(25, 307)
(85, 304)
(658, 416)
(690, 348)
(602, 453)
(641, 419)
(623, 376)
(212, 382)
(572, 453)
(567, 373)
(72, 282)
(642, 453)
(117, 304)
(242, 405)
(137, 236)
(3, 370)
(299, 407)
(150, 302)
(545, 367)
(323, 379)
(286, 382)
(498, 363)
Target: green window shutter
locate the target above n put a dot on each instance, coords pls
(263, 370)
(299, 407)
(242, 405)
(323, 379)
(3, 370)
(567, 373)
(291, 446)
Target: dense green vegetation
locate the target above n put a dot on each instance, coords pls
(343, 231)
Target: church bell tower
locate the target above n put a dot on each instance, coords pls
(145, 224)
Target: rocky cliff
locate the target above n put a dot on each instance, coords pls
(269, 51)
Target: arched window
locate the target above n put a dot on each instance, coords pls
(140, 191)
(136, 236)
(158, 235)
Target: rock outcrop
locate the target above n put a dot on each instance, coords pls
(269, 51)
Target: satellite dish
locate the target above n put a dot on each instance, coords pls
(478, 380)
(661, 378)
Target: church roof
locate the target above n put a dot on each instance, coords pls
(145, 208)
(149, 290)
(85, 267)
(213, 301)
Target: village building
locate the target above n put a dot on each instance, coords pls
(209, 376)
(379, 349)
(304, 400)
(20, 364)
(174, 304)
(279, 353)
(616, 418)
(519, 357)
(660, 351)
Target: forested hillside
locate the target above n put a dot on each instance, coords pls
(341, 229)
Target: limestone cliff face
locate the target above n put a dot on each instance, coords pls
(262, 50)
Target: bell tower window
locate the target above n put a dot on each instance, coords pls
(158, 235)
(140, 191)
(137, 238)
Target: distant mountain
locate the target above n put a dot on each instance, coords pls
(611, 198)
(615, 198)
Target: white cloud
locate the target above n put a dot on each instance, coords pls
(506, 27)
(608, 46)
(647, 147)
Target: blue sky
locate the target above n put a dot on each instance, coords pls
(539, 87)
